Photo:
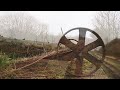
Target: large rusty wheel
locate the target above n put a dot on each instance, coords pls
(80, 52)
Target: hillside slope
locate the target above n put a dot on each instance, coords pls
(23, 48)
(113, 48)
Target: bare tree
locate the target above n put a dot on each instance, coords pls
(107, 24)
(21, 25)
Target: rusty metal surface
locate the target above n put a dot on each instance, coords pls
(80, 51)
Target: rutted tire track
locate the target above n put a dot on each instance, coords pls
(111, 67)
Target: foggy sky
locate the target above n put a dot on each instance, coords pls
(61, 19)
(65, 19)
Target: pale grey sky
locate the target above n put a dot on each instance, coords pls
(65, 19)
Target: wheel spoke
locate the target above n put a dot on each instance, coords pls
(67, 43)
(93, 60)
(69, 56)
(92, 45)
(82, 33)
(79, 65)
(81, 40)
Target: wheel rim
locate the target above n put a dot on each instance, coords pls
(80, 50)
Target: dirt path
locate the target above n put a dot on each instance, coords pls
(48, 69)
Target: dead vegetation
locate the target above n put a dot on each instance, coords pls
(23, 48)
(113, 48)
(15, 50)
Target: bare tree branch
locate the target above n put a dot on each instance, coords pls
(107, 24)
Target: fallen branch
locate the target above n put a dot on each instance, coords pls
(49, 56)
